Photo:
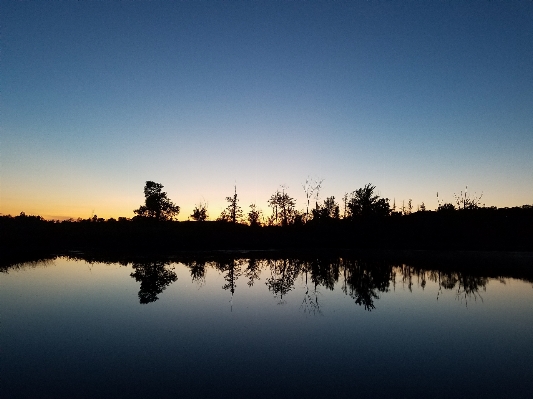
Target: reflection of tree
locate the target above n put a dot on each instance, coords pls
(447, 280)
(407, 276)
(232, 269)
(283, 273)
(363, 280)
(154, 278)
(253, 271)
(197, 270)
(325, 272)
(310, 302)
(468, 286)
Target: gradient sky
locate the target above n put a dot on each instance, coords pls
(415, 97)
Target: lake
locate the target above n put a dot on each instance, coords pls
(256, 325)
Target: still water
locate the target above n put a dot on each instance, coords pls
(278, 327)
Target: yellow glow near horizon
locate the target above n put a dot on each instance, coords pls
(78, 201)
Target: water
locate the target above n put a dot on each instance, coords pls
(235, 327)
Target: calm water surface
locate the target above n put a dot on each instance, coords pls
(262, 328)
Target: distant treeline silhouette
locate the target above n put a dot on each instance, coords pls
(366, 221)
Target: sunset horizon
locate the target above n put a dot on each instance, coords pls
(301, 204)
(416, 99)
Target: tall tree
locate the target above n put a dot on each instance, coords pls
(311, 186)
(156, 203)
(233, 212)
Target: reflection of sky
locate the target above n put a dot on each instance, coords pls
(418, 98)
(74, 327)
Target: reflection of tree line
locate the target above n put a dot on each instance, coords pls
(467, 286)
(361, 279)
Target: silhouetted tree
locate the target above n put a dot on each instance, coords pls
(199, 212)
(311, 186)
(464, 201)
(157, 205)
(365, 203)
(298, 218)
(283, 211)
(254, 216)
(22, 217)
(328, 211)
(233, 213)
(447, 207)
(345, 205)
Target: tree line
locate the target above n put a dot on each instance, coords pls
(366, 221)
(361, 203)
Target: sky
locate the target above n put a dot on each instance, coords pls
(414, 97)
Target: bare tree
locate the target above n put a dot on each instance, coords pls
(464, 201)
(311, 187)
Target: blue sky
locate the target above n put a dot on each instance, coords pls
(414, 97)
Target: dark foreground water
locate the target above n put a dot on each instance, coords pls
(275, 328)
